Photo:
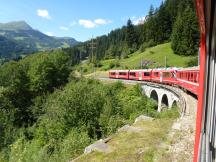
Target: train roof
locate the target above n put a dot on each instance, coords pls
(195, 68)
(118, 70)
(141, 70)
(191, 68)
(165, 69)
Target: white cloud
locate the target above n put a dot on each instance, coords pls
(43, 13)
(93, 23)
(133, 17)
(137, 21)
(49, 34)
(63, 28)
(87, 23)
(102, 21)
(73, 23)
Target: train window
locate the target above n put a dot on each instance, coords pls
(122, 73)
(132, 74)
(192, 77)
(195, 77)
(188, 77)
(113, 73)
(156, 74)
(146, 73)
(166, 75)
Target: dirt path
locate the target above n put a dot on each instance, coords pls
(182, 135)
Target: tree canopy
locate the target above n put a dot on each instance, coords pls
(161, 25)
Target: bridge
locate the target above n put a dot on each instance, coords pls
(164, 95)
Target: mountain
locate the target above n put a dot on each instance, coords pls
(16, 25)
(18, 38)
(9, 48)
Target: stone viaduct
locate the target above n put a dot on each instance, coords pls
(164, 97)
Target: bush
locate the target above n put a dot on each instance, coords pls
(72, 145)
(114, 64)
(85, 70)
(193, 62)
(172, 113)
(148, 44)
(111, 65)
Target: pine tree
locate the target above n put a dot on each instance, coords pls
(164, 25)
(151, 11)
(185, 35)
(131, 36)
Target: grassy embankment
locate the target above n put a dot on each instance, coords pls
(149, 144)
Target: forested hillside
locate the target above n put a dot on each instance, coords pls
(174, 20)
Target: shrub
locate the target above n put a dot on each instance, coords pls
(192, 62)
(111, 65)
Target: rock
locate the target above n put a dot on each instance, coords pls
(107, 139)
(128, 128)
(176, 126)
(97, 146)
(124, 128)
(143, 118)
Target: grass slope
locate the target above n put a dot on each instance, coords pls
(155, 54)
(145, 145)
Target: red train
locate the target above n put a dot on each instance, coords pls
(187, 79)
(205, 141)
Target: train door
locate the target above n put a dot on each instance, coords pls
(140, 75)
(161, 77)
(117, 74)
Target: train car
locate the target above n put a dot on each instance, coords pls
(164, 76)
(147, 74)
(156, 75)
(143, 74)
(113, 74)
(119, 74)
(189, 80)
(135, 74)
(169, 76)
(205, 141)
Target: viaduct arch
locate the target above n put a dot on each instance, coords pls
(164, 98)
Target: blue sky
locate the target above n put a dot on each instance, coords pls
(80, 19)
